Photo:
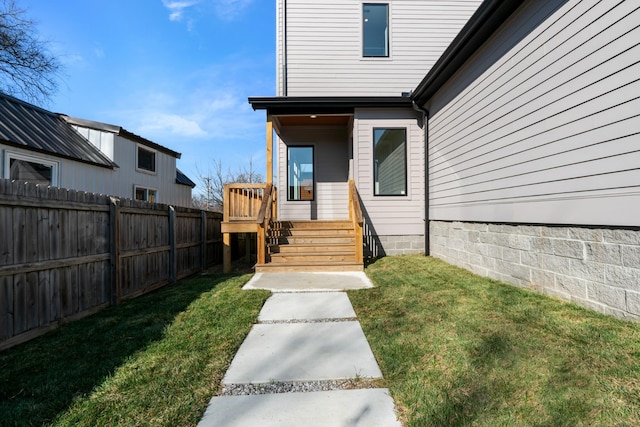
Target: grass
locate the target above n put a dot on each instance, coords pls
(155, 360)
(457, 349)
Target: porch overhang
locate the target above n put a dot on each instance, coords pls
(300, 105)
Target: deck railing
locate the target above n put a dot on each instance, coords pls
(355, 215)
(242, 201)
(248, 208)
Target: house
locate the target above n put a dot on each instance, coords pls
(39, 146)
(510, 149)
(147, 170)
(343, 114)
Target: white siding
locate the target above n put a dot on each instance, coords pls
(324, 46)
(331, 169)
(120, 181)
(104, 141)
(390, 215)
(548, 131)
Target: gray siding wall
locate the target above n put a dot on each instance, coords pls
(534, 166)
(542, 125)
(390, 215)
(331, 171)
(324, 45)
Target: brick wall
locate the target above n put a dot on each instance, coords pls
(595, 267)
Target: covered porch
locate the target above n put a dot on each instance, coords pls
(315, 221)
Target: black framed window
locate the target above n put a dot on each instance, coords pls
(375, 30)
(300, 181)
(389, 162)
(146, 159)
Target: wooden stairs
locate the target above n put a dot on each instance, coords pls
(310, 246)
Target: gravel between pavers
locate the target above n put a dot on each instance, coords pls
(296, 387)
(332, 319)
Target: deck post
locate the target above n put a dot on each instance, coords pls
(269, 150)
(226, 252)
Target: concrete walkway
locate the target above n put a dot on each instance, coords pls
(294, 365)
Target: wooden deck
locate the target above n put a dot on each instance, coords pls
(291, 245)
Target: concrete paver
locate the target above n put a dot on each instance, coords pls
(307, 337)
(307, 306)
(343, 408)
(303, 352)
(309, 282)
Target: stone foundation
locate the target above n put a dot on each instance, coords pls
(597, 268)
(377, 246)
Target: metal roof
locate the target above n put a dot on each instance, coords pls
(183, 179)
(27, 126)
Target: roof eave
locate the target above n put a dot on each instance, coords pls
(325, 104)
(489, 16)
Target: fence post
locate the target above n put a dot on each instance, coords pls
(203, 236)
(172, 243)
(114, 247)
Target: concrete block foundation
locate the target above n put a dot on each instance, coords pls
(596, 268)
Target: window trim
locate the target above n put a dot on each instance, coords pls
(9, 155)
(406, 160)
(155, 159)
(376, 57)
(313, 164)
(146, 193)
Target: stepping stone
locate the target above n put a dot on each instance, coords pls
(309, 282)
(306, 306)
(365, 408)
(303, 352)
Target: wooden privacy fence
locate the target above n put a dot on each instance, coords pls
(66, 254)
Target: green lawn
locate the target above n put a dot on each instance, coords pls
(457, 349)
(155, 360)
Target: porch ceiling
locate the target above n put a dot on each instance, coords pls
(314, 120)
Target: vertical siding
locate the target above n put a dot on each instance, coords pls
(390, 215)
(119, 181)
(324, 46)
(545, 131)
(331, 170)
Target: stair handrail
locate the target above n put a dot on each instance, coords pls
(355, 215)
(265, 206)
(263, 220)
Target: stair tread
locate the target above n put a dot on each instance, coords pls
(323, 253)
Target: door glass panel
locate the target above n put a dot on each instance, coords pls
(300, 173)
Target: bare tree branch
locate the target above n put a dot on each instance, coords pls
(27, 68)
(212, 181)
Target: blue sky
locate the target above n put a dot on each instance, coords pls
(177, 72)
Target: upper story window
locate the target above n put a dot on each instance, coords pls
(375, 30)
(390, 162)
(31, 169)
(146, 159)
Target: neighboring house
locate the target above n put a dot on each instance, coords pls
(48, 148)
(532, 172)
(147, 170)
